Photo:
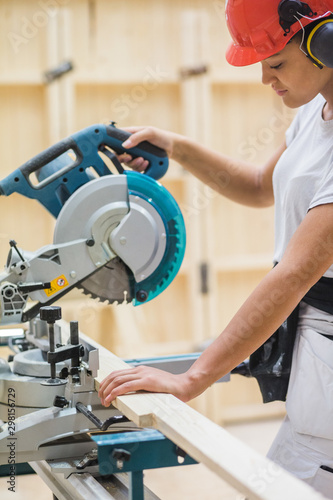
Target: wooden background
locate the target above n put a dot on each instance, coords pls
(132, 61)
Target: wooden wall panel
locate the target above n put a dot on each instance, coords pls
(249, 120)
(22, 135)
(233, 290)
(241, 231)
(146, 102)
(23, 27)
(23, 124)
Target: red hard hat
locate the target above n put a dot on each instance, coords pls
(260, 28)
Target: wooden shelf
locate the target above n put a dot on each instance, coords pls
(110, 77)
(21, 79)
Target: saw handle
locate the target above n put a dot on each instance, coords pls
(157, 157)
(59, 176)
(114, 137)
(50, 154)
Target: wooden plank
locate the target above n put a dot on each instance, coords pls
(237, 464)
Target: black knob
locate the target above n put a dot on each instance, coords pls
(90, 242)
(50, 314)
(141, 295)
(60, 402)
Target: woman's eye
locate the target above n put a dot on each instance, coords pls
(277, 66)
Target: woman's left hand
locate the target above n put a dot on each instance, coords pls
(143, 378)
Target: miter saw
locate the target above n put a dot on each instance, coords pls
(119, 234)
(120, 237)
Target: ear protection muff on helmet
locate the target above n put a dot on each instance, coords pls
(319, 42)
(318, 35)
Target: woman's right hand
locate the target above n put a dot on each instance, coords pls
(161, 138)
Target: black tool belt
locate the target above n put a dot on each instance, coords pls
(271, 363)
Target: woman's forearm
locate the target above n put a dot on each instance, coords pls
(237, 180)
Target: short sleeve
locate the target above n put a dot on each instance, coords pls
(324, 193)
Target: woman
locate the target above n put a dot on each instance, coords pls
(299, 180)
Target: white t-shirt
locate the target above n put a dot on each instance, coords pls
(303, 176)
(303, 179)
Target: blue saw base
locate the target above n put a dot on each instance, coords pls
(133, 452)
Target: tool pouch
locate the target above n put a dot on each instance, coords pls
(271, 363)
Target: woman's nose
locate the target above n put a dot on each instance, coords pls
(267, 76)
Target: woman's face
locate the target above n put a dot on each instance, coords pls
(295, 78)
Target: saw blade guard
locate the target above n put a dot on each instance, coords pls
(164, 203)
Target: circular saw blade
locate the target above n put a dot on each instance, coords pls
(112, 283)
